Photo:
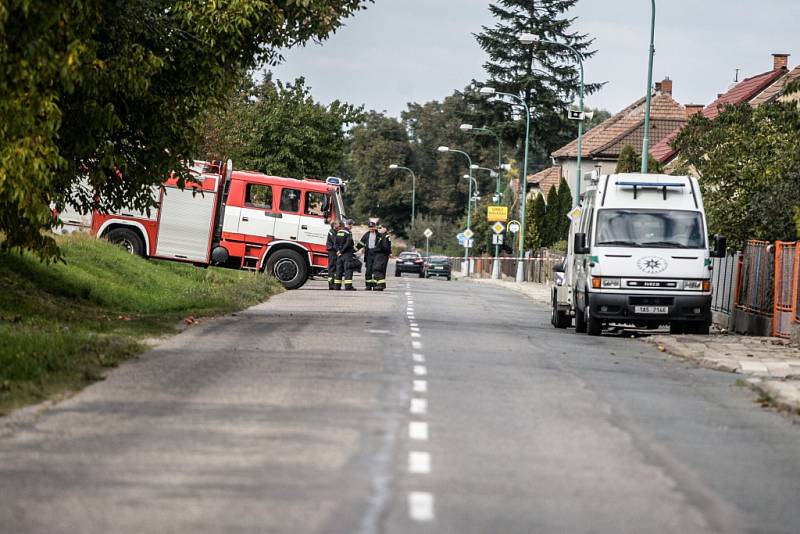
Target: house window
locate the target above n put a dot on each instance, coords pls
(258, 196)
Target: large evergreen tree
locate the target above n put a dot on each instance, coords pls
(545, 76)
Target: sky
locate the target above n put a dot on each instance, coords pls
(400, 51)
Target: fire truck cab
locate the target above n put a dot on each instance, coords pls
(238, 219)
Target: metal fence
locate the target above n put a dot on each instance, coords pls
(723, 280)
(787, 261)
(755, 285)
(538, 268)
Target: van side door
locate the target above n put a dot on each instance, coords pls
(288, 224)
(313, 228)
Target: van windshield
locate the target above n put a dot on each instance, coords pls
(650, 228)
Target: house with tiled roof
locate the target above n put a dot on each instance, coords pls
(603, 143)
(755, 90)
(544, 180)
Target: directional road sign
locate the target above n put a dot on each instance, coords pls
(497, 239)
(498, 227)
(427, 233)
(468, 233)
(514, 226)
(461, 238)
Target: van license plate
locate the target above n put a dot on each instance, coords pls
(651, 309)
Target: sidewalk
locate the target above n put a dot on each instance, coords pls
(771, 365)
(538, 292)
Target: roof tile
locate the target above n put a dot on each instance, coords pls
(756, 90)
(610, 132)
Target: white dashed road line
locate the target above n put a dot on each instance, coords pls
(419, 463)
(420, 503)
(419, 406)
(420, 506)
(418, 430)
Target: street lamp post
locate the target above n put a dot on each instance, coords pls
(529, 38)
(646, 137)
(413, 190)
(498, 194)
(490, 91)
(469, 198)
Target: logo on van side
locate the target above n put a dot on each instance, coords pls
(652, 264)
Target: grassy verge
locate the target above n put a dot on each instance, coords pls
(61, 325)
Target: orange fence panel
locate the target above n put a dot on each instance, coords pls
(787, 262)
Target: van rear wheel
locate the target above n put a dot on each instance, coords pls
(289, 267)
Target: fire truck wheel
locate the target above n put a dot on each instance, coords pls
(127, 239)
(289, 267)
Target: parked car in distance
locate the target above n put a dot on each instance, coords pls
(409, 262)
(437, 266)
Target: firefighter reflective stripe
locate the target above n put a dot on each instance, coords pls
(348, 282)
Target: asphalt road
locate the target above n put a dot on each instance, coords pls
(435, 406)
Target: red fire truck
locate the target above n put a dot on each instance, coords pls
(237, 219)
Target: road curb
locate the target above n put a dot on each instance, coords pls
(783, 395)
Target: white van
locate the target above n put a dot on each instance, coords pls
(639, 255)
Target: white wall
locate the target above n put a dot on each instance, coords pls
(569, 167)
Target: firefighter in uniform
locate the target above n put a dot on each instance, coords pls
(335, 225)
(344, 246)
(369, 242)
(381, 261)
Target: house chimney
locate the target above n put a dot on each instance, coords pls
(666, 86)
(780, 61)
(693, 109)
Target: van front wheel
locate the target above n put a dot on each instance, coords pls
(594, 326)
(580, 321)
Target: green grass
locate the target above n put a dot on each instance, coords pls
(62, 324)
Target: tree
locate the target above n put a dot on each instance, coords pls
(443, 240)
(552, 218)
(564, 203)
(630, 161)
(747, 161)
(112, 93)
(278, 129)
(377, 142)
(442, 190)
(599, 116)
(536, 224)
(544, 76)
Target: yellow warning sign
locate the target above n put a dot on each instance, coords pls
(497, 213)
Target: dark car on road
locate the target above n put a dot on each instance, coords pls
(409, 262)
(437, 266)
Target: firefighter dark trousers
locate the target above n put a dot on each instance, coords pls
(369, 263)
(379, 263)
(344, 270)
(331, 268)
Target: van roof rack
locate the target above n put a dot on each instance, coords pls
(649, 185)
